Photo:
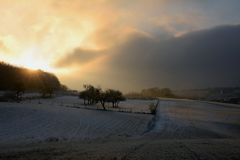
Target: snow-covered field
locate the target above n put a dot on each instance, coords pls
(181, 129)
(130, 105)
(46, 119)
(195, 119)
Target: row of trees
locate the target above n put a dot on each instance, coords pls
(157, 92)
(92, 95)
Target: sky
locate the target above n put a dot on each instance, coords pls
(122, 44)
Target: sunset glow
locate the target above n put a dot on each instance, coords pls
(29, 59)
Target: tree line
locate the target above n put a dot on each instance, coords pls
(92, 95)
(19, 79)
(152, 93)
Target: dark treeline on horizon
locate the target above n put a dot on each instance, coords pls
(151, 93)
(12, 76)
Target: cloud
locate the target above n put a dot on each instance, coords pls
(205, 58)
(75, 30)
(78, 57)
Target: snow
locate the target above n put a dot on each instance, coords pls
(130, 105)
(39, 120)
(196, 119)
(66, 118)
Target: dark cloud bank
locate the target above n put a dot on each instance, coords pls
(78, 56)
(206, 58)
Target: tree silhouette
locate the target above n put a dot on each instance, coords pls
(114, 96)
(19, 90)
(92, 95)
(31, 80)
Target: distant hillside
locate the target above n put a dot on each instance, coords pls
(221, 94)
(11, 75)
